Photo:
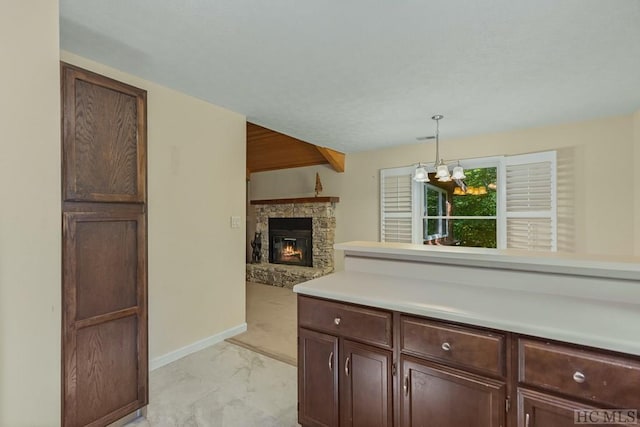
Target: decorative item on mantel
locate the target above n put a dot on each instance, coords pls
(318, 184)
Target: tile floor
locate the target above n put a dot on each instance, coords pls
(222, 386)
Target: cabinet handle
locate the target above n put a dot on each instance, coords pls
(579, 377)
(526, 420)
(406, 385)
(337, 321)
(331, 361)
(346, 366)
(446, 346)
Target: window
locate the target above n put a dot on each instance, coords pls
(504, 202)
(465, 212)
(435, 209)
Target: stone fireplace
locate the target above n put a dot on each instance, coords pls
(297, 240)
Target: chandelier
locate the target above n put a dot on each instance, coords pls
(421, 174)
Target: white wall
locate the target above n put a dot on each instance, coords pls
(636, 181)
(29, 214)
(196, 180)
(599, 211)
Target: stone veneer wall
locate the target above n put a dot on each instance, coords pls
(323, 222)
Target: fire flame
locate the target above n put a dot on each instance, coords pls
(289, 251)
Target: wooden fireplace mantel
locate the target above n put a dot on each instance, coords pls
(327, 199)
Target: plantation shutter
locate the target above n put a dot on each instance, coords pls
(530, 201)
(396, 207)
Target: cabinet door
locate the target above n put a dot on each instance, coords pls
(543, 410)
(104, 250)
(366, 386)
(104, 139)
(433, 396)
(317, 379)
(105, 316)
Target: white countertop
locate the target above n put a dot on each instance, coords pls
(627, 268)
(613, 325)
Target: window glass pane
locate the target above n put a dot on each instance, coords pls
(435, 228)
(480, 233)
(432, 199)
(443, 205)
(481, 196)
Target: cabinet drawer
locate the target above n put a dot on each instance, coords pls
(349, 321)
(467, 347)
(585, 374)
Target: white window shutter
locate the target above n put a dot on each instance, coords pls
(396, 205)
(530, 201)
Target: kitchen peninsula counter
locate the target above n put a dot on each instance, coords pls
(586, 300)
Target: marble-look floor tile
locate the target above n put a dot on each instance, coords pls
(222, 386)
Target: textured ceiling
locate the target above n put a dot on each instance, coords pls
(360, 74)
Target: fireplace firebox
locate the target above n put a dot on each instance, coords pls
(290, 241)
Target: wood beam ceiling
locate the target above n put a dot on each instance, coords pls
(269, 150)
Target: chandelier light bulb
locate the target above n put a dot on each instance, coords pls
(442, 171)
(458, 173)
(421, 174)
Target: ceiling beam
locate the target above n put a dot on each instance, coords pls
(270, 150)
(333, 157)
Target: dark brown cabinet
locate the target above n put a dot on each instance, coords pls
(452, 375)
(576, 384)
(343, 380)
(435, 396)
(366, 394)
(543, 410)
(317, 378)
(409, 371)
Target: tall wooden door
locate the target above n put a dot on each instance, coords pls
(104, 253)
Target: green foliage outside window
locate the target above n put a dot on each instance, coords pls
(476, 232)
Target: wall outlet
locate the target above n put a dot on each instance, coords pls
(235, 222)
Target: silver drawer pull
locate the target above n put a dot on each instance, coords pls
(337, 320)
(406, 385)
(526, 420)
(579, 377)
(346, 366)
(331, 361)
(446, 346)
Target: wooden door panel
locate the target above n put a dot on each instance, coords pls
(317, 379)
(106, 271)
(104, 133)
(107, 379)
(433, 396)
(367, 386)
(542, 410)
(104, 317)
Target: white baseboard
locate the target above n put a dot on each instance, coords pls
(172, 356)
